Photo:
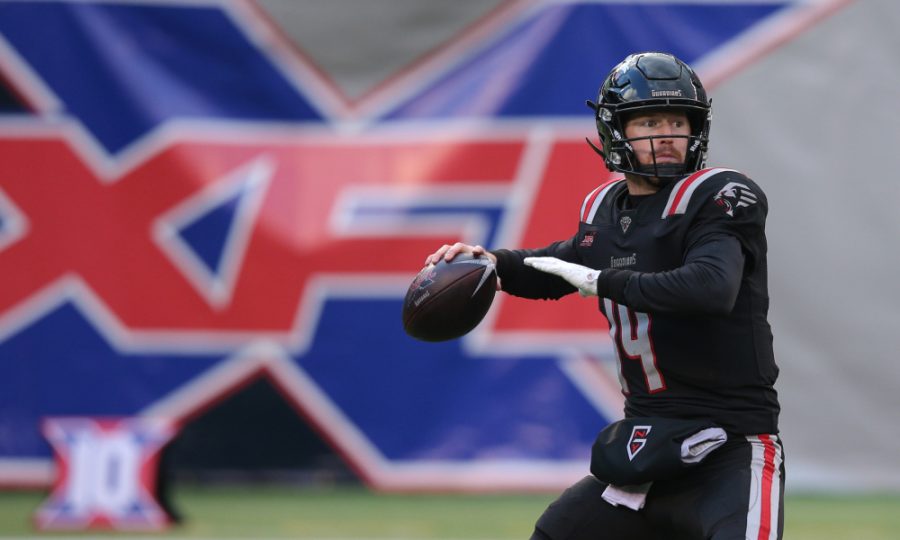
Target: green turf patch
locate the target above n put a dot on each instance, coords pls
(355, 513)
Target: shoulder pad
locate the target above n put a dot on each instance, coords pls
(683, 191)
(596, 197)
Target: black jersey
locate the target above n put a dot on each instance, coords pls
(683, 286)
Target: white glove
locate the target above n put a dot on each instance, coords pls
(581, 277)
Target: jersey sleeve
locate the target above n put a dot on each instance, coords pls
(708, 282)
(520, 280)
(733, 205)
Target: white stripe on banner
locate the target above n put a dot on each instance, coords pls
(765, 487)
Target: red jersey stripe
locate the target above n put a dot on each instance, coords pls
(588, 202)
(765, 518)
(594, 199)
(685, 184)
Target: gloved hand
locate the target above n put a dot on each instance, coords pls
(581, 277)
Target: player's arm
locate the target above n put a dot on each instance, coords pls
(726, 239)
(522, 280)
(723, 243)
(708, 282)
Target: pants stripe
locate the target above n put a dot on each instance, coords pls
(762, 518)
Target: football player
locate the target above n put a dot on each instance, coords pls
(675, 254)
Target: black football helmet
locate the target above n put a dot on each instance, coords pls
(651, 81)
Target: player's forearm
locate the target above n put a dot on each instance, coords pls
(520, 280)
(708, 282)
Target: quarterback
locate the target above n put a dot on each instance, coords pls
(674, 254)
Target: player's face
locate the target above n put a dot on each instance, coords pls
(669, 130)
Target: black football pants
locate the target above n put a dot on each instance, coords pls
(734, 494)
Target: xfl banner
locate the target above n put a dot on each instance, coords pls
(188, 203)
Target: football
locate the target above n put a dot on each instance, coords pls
(448, 299)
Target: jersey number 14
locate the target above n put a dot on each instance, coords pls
(630, 331)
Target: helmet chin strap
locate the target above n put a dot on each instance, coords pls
(662, 173)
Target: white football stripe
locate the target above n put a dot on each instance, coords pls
(484, 277)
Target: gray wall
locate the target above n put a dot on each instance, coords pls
(818, 124)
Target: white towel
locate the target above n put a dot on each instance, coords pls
(700, 444)
(632, 497)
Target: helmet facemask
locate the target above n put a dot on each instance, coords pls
(621, 155)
